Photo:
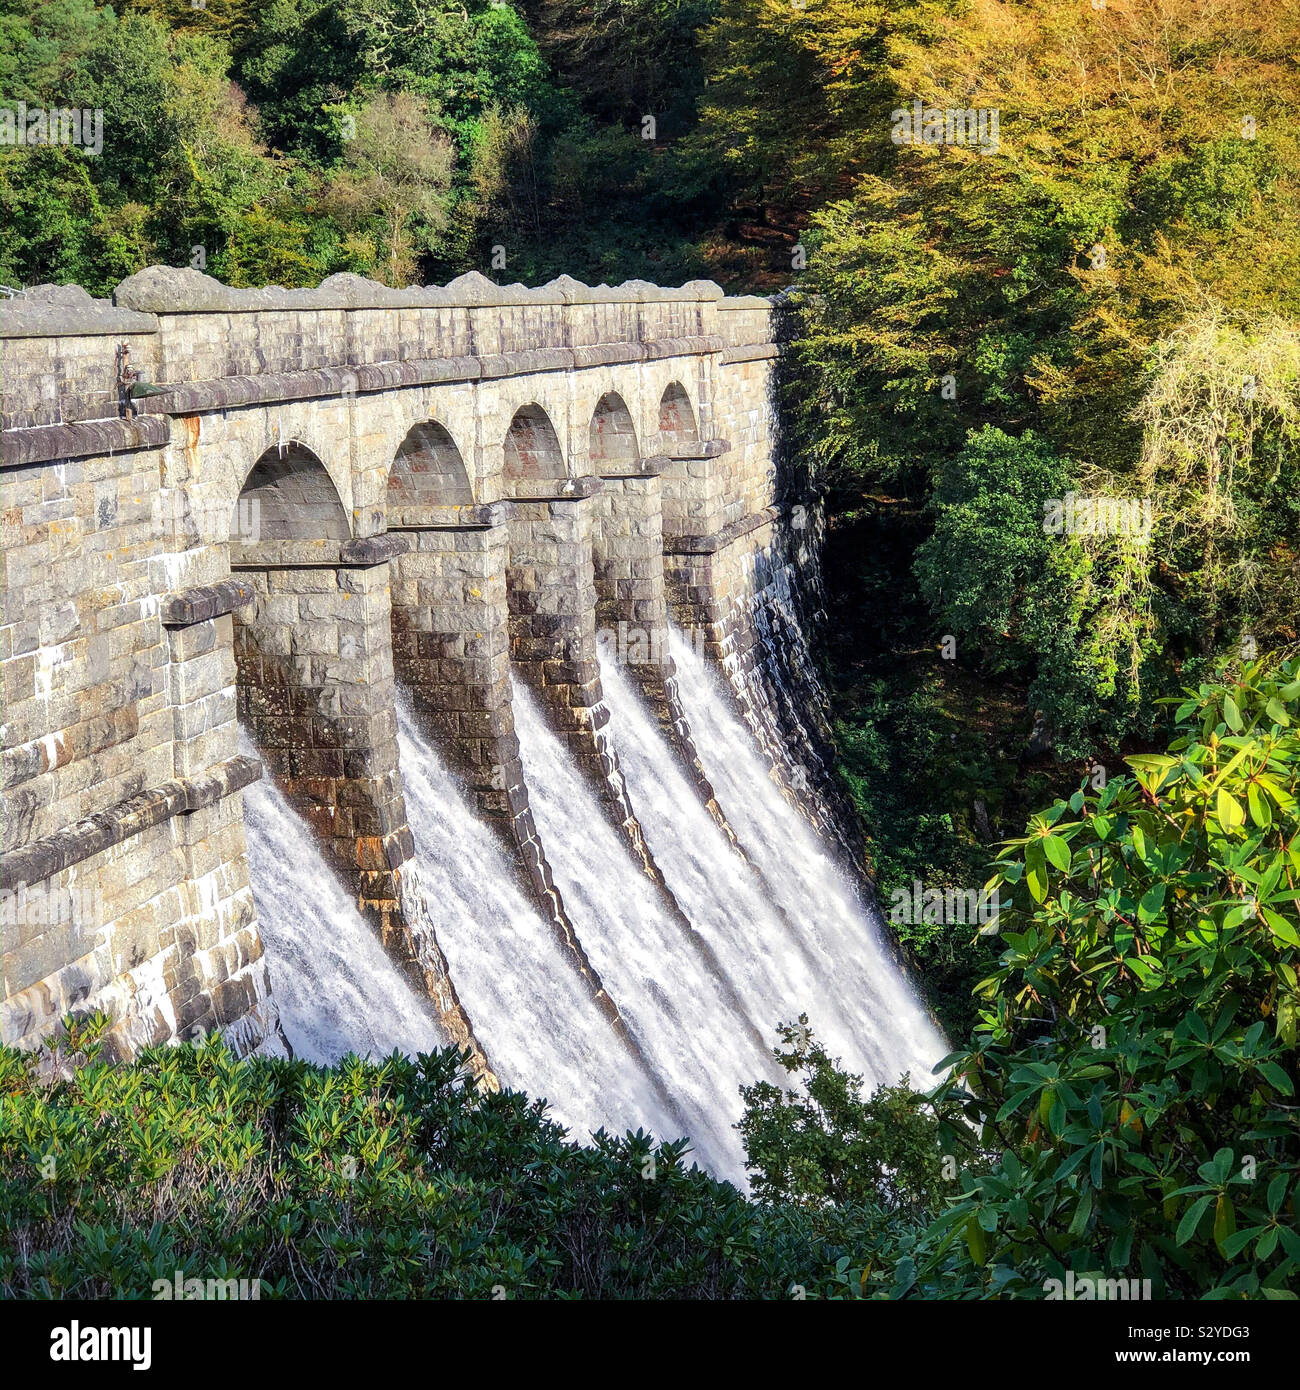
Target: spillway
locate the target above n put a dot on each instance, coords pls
(531, 1010)
(891, 1031)
(678, 1011)
(337, 989)
(779, 931)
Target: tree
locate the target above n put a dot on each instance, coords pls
(1017, 582)
(794, 94)
(1126, 1107)
(393, 181)
(42, 46)
(228, 20)
(627, 58)
(826, 1144)
(1221, 458)
(984, 566)
(1057, 281)
(1137, 1054)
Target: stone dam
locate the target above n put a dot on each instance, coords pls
(276, 510)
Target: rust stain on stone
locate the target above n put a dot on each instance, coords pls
(193, 428)
(370, 852)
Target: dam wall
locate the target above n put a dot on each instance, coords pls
(285, 508)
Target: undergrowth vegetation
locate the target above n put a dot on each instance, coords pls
(377, 1179)
(1125, 1109)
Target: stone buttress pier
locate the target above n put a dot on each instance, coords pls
(551, 595)
(451, 649)
(632, 606)
(316, 694)
(737, 555)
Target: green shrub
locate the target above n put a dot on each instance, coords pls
(1126, 1109)
(1136, 1057)
(389, 1179)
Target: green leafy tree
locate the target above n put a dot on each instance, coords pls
(297, 66)
(1136, 1061)
(627, 59)
(983, 568)
(42, 47)
(1126, 1106)
(826, 1143)
(1075, 607)
(391, 186)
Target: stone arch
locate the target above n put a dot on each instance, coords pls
(677, 424)
(428, 471)
(612, 435)
(289, 496)
(532, 449)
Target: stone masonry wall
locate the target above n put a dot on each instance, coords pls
(120, 620)
(159, 932)
(124, 880)
(83, 657)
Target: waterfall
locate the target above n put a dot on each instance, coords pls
(860, 981)
(336, 987)
(529, 1005)
(681, 1016)
(788, 932)
(777, 969)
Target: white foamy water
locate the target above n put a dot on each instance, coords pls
(778, 972)
(530, 1007)
(786, 934)
(862, 1003)
(679, 1012)
(337, 989)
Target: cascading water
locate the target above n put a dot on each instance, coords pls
(786, 933)
(891, 1030)
(530, 1007)
(777, 968)
(336, 987)
(682, 1017)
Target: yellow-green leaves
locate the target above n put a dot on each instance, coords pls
(1057, 852)
(1225, 1221)
(1151, 769)
(1228, 810)
(1036, 870)
(1232, 715)
(975, 1241)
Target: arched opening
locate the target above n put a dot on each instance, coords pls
(428, 471)
(612, 435)
(533, 452)
(288, 496)
(676, 417)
